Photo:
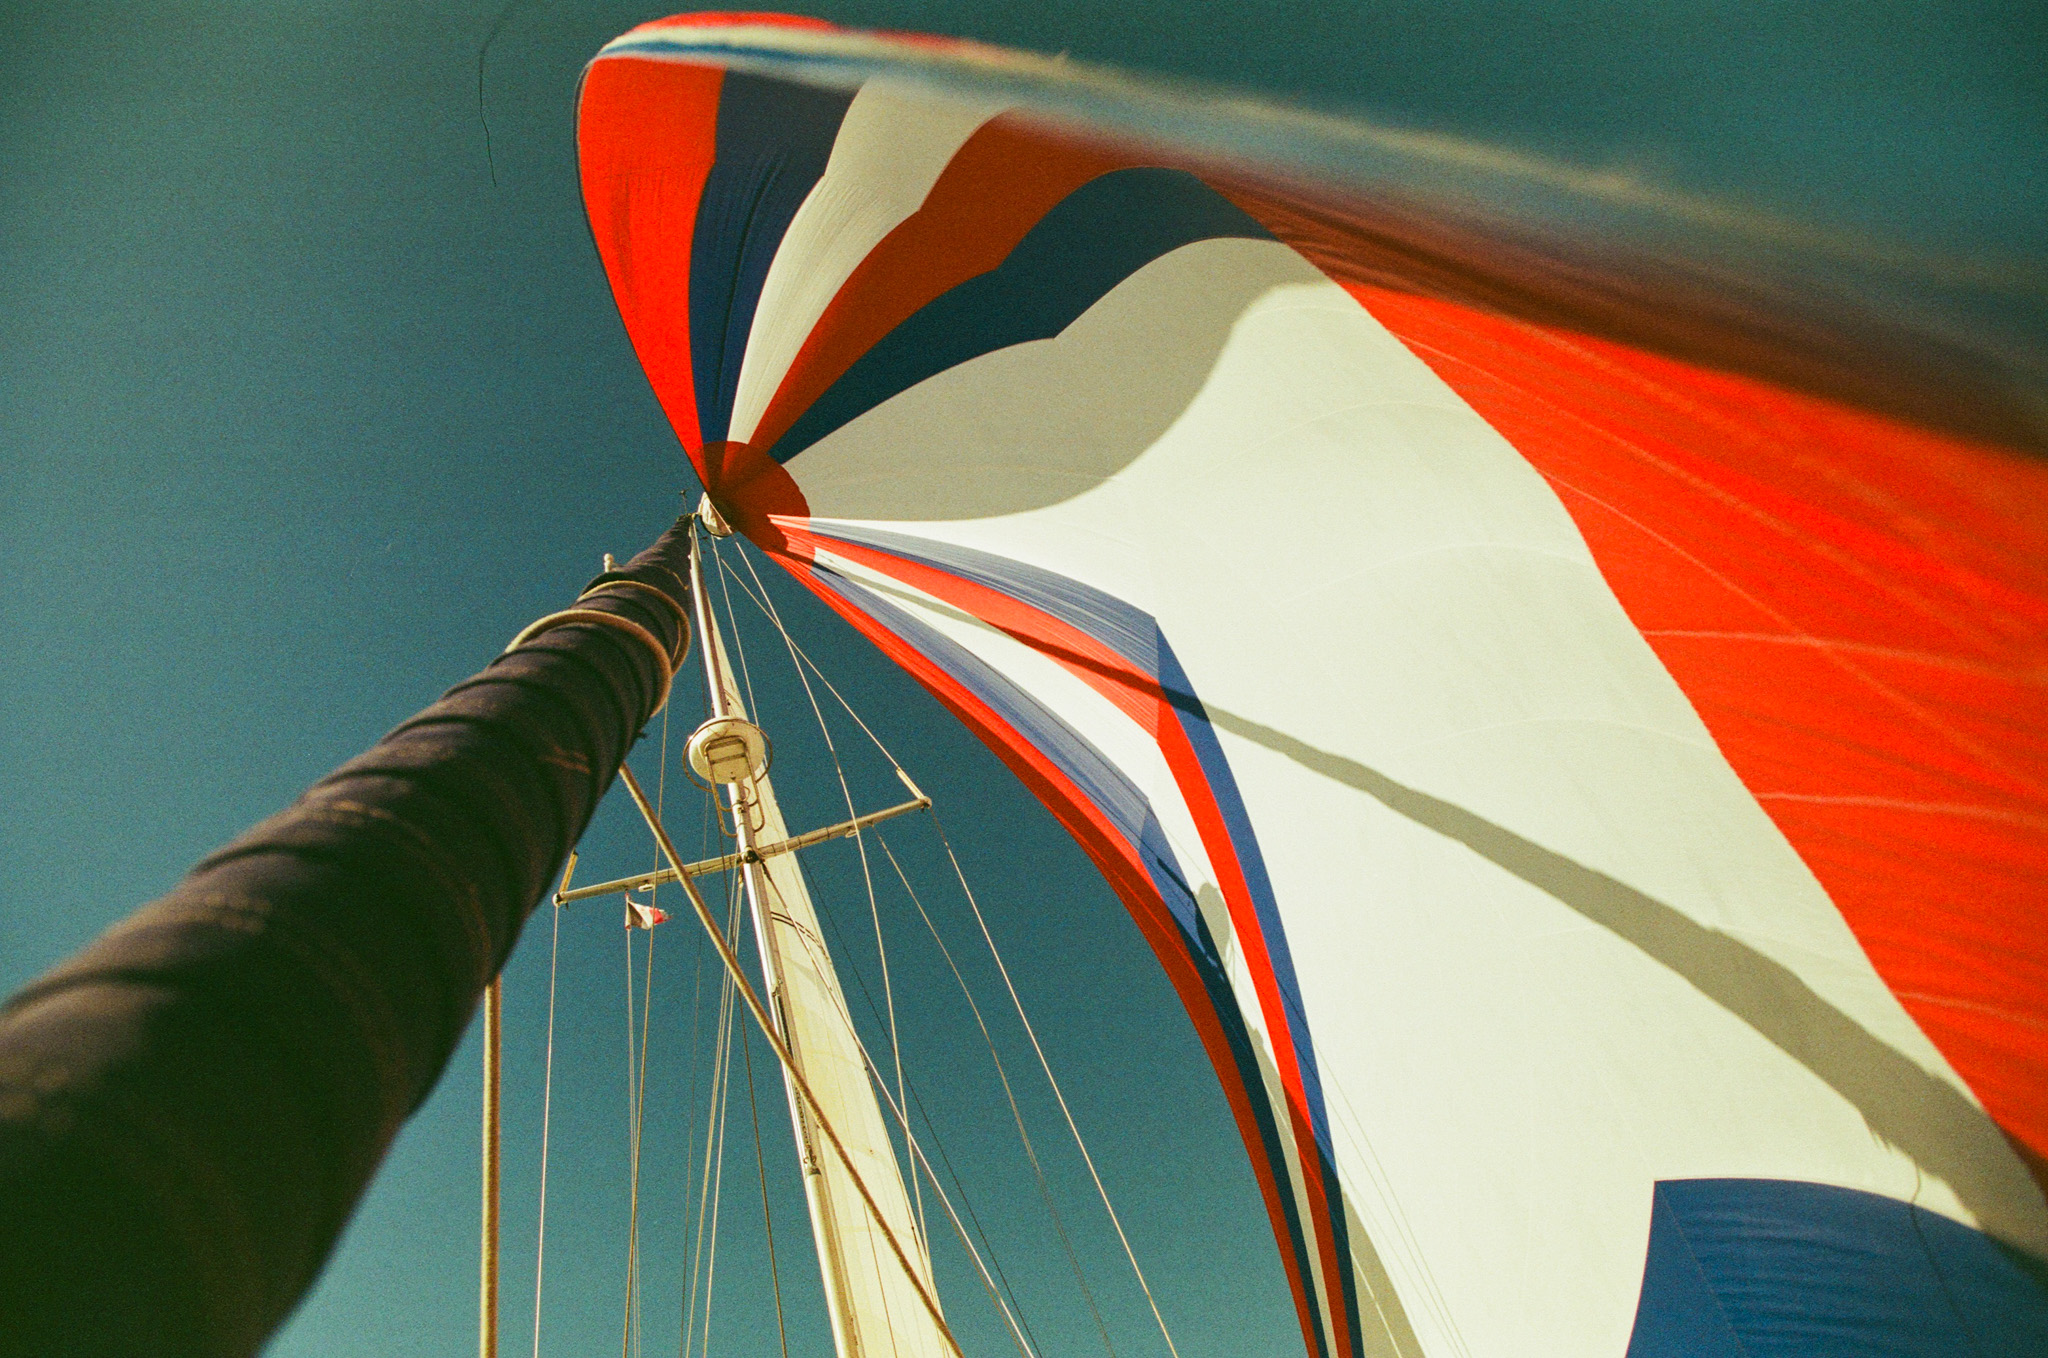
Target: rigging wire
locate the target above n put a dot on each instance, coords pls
(859, 839)
(1016, 1114)
(762, 602)
(739, 646)
(547, 1103)
(629, 1341)
(695, 1050)
(917, 1155)
(637, 1095)
(1028, 1343)
(793, 1074)
(632, 1141)
(1046, 1066)
(761, 1168)
(646, 1013)
(701, 1189)
(767, 607)
(711, 1177)
(718, 1151)
(799, 659)
(739, 643)
(995, 1260)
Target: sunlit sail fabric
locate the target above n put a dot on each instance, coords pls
(1593, 805)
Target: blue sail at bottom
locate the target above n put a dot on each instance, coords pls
(1758, 1268)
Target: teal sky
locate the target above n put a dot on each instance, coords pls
(301, 417)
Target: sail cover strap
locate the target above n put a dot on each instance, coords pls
(191, 1107)
(626, 625)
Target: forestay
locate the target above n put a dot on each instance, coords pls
(1592, 800)
(878, 1309)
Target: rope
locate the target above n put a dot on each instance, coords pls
(739, 644)
(637, 1090)
(487, 1300)
(1027, 1347)
(874, 1259)
(1029, 1342)
(703, 1262)
(717, 1149)
(630, 1339)
(547, 1102)
(632, 1141)
(1016, 1114)
(767, 1221)
(759, 596)
(689, 1302)
(993, 1057)
(695, 1048)
(660, 595)
(663, 661)
(761, 600)
(860, 842)
(782, 1053)
(768, 610)
(1046, 1066)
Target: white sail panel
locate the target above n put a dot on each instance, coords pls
(845, 216)
(1506, 738)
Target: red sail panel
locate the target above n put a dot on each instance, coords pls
(1869, 646)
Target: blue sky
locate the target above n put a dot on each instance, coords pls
(301, 417)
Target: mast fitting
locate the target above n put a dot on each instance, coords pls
(664, 663)
(713, 521)
(729, 750)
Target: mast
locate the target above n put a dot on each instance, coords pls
(875, 1308)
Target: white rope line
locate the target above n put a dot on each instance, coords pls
(695, 1051)
(860, 843)
(1016, 1114)
(547, 1103)
(761, 602)
(640, 1131)
(738, 643)
(699, 1185)
(1030, 1340)
(637, 1098)
(1061, 1097)
(632, 1143)
(767, 607)
(631, 1342)
(690, 1144)
(767, 1218)
(882, 1291)
(711, 1173)
(731, 962)
(717, 1152)
(918, 1158)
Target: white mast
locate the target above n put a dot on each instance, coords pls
(875, 1308)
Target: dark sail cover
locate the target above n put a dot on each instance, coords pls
(191, 1107)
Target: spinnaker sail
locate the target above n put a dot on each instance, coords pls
(1582, 760)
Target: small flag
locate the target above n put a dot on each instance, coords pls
(642, 916)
